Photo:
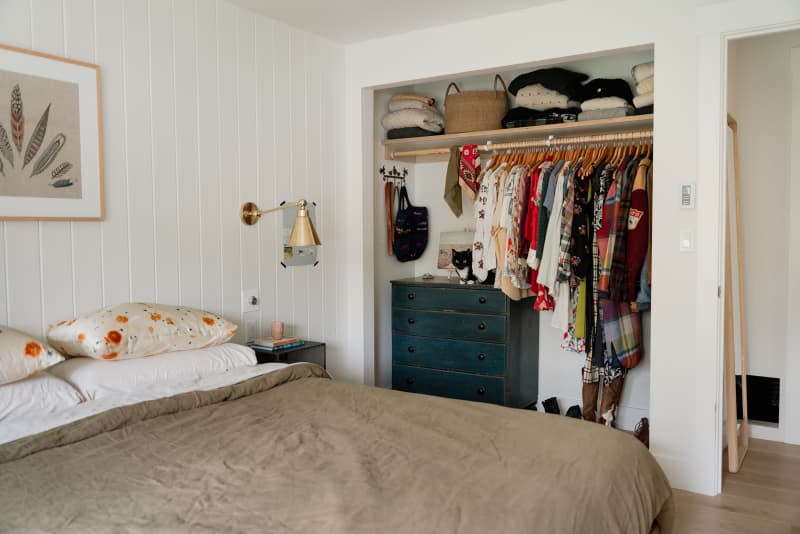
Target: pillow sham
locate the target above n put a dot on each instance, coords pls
(22, 355)
(96, 379)
(43, 394)
(135, 330)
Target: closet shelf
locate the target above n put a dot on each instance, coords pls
(415, 149)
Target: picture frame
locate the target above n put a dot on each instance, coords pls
(449, 241)
(51, 137)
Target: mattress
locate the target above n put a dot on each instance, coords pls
(293, 451)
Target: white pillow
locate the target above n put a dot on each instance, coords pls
(22, 356)
(98, 378)
(42, 394)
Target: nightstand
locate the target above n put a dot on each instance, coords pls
(310, 351)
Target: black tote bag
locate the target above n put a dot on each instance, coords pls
(410, 229)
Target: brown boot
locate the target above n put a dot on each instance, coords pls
(590, 392)
(608, 406)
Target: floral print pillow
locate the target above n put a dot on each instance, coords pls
(22, 356)
(135, 330)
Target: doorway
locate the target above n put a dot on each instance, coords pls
(763, 85)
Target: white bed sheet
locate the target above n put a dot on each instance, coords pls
(16, 429)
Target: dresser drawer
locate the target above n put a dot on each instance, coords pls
(448, 384)
(462, 300)
(451, 325)
(469, 356)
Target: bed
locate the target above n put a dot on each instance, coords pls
(291, 450)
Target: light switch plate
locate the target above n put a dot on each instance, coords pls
(251, 300)
(687, 241)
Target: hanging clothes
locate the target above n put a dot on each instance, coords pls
(483, 245)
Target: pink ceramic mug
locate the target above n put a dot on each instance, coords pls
(277, 329)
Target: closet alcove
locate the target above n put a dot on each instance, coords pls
(559, 371)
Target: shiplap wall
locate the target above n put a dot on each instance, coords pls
(205, 105)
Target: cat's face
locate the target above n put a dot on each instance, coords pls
(462, 259)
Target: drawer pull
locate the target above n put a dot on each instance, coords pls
(410, 380)
(482, 326)
(482, 300)
(412, 296)
(481, 356)
(411, 349)
(411, 320)
(481, 390)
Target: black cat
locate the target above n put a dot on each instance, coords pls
(462, 261)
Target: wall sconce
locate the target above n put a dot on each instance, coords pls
(303, 232)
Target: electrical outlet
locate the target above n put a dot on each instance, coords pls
(251, 300)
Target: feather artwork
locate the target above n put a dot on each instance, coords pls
(49, 154)
(61, 169)
(5, 146)
(64, 182)
(1, 168)
(17, 118)
(37, 138)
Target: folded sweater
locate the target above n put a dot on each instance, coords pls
(517, 117)
(645, 86)
(541, 103)
(397, 105)
(642, 71)
(643, 100)
(605, 87)
(407, 118)
(425, 99)
(610, 113)
(608, 102)
(403, 133)
(561, 80)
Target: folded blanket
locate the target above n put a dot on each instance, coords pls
(561, 80)
(518, 117)
(407, 118)
(644, 110)
(397, 105)
(642, 71)
(604, 87)
(402, 133)
(643, 100)
(404, 96)
(608, 102)
(612, 113)
(645, 86)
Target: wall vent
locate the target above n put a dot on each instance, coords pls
(763, 398)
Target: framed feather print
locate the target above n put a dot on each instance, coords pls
(51, 137)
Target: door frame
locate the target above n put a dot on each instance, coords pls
(717, 26)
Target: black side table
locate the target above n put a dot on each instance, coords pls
(310, 351)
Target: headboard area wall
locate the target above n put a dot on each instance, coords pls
(206, 105)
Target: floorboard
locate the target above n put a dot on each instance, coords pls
(763, 497)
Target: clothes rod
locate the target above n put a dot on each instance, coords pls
(550, 141)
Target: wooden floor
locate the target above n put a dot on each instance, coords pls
(764, 496)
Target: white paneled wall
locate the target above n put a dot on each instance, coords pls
(205, 105)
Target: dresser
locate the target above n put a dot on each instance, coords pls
(467, 342)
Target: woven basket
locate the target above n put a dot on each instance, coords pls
(473, 111)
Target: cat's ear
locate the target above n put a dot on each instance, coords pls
(453, 251)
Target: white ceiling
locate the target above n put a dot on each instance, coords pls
(348, 21)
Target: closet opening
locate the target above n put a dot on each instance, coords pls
(761, 246)
(548, 371)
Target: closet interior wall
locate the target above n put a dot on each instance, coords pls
(559, 371)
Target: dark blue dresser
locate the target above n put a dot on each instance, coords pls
(467, 342)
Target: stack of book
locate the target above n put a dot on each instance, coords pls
(270, 344)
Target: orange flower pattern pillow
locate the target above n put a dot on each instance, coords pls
(135, 330)
(22, 355)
